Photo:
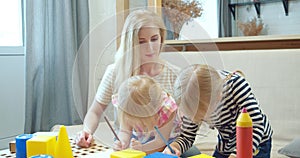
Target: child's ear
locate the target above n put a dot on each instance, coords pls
(240, 72)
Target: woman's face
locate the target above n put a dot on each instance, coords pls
(150, 41)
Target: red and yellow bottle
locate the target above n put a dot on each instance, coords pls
(244, 135)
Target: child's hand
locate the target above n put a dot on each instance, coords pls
(167, 151)
(118, 145)
(136, 145)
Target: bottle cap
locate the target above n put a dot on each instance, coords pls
(244, 119)
(244, 110)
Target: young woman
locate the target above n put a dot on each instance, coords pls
(217, 97)
(139, 54)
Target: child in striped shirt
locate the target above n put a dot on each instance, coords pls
(217, 98)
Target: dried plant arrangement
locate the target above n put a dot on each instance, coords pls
(251, 27)
(181, 11)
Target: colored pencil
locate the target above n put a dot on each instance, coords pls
(163, 138)
(107, 121)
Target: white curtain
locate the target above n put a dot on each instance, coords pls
(57, 53)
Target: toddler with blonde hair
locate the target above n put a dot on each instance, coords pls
(142, 104)
(217, 97)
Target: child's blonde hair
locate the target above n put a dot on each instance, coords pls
(197, 90)
(140, 98)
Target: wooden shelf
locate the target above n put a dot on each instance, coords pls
(235, 43)
(257, 4)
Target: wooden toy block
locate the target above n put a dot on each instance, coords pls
(201, 156)
(41, 145)
(12, 146)
(160, 155)
(128, 153)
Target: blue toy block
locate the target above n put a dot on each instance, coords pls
(21, 145)
(160, 155)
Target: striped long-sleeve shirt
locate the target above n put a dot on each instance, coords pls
(236, 95)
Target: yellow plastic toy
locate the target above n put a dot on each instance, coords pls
(128, 153)
(201, 156)
(63, 148)
(40, 145)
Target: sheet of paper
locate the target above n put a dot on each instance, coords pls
(104, 154)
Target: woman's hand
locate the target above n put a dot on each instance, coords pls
(231, 156)
(84, 139)
(176, 150)
(135, 144)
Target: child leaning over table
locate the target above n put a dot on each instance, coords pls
(143, 104)
(217, 98)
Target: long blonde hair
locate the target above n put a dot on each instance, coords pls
(197, 90)
(127, 59)
(140, 98)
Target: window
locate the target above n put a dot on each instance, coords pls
(204, 27)
(11, 23)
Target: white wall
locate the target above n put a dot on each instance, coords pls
(102, 41)
(12, 94)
